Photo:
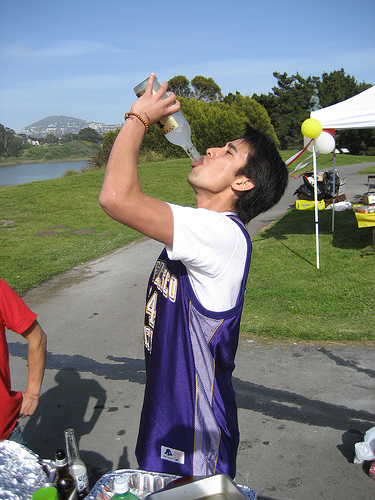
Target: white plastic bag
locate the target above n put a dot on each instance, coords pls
(340, 206)
(366, 449)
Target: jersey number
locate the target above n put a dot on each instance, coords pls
(151, 309)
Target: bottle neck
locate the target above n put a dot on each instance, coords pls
(192, 152)
(60, 458)
(61, 462)
(71, 446)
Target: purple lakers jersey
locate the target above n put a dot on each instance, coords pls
(189, 420)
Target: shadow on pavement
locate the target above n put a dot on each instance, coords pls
(66, 404)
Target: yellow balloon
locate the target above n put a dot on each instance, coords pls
(311, 128)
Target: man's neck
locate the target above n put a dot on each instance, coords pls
(214, 203)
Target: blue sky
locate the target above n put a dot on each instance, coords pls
(82, 58)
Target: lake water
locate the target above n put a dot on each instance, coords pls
(29, 172)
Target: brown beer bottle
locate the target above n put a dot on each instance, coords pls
(64, 481)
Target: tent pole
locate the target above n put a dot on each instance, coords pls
(333, 192)
(316, 208)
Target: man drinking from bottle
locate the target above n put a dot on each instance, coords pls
(195, 293)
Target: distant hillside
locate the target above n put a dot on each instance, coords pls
(60, 125)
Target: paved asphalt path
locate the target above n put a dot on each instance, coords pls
(301, 406)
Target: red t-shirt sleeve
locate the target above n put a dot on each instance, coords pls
(15, 316)
(14, 313)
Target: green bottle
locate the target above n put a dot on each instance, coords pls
(121, 489)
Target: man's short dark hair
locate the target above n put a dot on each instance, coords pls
(267, 170)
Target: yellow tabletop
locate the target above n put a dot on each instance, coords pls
(365, 220)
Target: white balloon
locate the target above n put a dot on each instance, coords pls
(325, 143)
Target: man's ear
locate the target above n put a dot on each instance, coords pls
(242, 183)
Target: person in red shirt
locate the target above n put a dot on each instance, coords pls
(16, 316)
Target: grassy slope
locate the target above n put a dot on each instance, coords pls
(48, 227)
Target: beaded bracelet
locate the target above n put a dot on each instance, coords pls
(131, 113)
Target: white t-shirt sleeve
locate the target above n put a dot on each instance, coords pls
(213, 249)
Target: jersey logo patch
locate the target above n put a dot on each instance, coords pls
(172, 455)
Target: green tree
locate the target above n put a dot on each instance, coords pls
(288, 105)
(255, 114)
(10, 145)
(6, 134)
(51, 139)
(14, 147)
(229, 99)
(206, 89)
(200, 88)
(358, 142)
(212, 124)
(100, 158)
(69, 137)
(336, 86)
(90, 135)
(213, 121)
(180, 85)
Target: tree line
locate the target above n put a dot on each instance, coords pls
(215, 119)
(289, 104)
(13, 145)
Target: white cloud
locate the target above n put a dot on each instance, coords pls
(64, 49)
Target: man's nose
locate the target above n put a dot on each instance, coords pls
(212, 152)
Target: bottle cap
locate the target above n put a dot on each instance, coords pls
(121, 484)
(60, 457)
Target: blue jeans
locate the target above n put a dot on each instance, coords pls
(17, 435)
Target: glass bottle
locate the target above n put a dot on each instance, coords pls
(121, 489)
(64, 480)
(175, 127)
(76, 465)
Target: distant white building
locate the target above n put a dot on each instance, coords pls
(32, 142)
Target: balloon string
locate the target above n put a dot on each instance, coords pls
(297, 155)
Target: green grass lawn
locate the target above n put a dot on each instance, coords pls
(48, 227)
(288, 297)
(326, 161)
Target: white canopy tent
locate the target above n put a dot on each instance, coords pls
(354, 113)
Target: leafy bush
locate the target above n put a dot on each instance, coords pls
(70, 173)
(50, 152)
(212, 124)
